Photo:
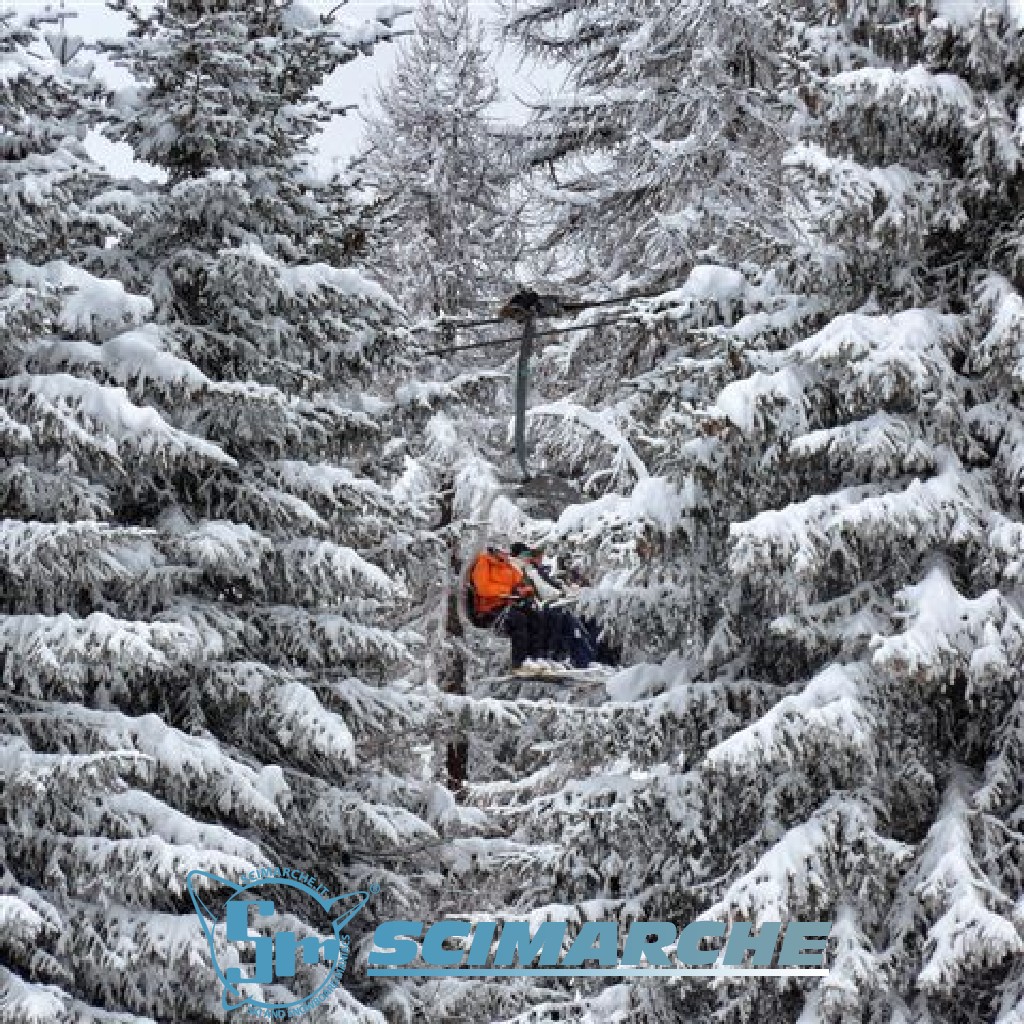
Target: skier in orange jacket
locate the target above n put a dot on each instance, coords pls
(511, 592)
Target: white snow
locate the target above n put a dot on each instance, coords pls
(33, 1003)
(326, 565)
(65, 647)
(796, 874)
(706, 282)
(134, 357)
(291, 713)
(964, 12)
(123, 422)
(310, 280)
(181, 761)
(947, 632)
(797, 539)
(776, 398)
(171, 825)
(601, 423)
(93, 306)
(917, 91)
(323, 478)
(973, 928)
(653, 500)
(219, 545)
(828, 714)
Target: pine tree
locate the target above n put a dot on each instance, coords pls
(45, 171)
(204, 583)
(909, 157)
(662, 149)
(893, 435)
(447, 230)
(804, 522)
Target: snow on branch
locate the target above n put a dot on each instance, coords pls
(91, 306)
(972, 926)
(327, 481)
(856, 972)
(799, 875)
(654, 502)
(50, 555)
(71, 409)
(901, 356)
(907, 196)
(27, 1002)
(350, 820)
(765, 401)
(948, 634)
(827, 716)
(275, 282)
(58, 494)
(882, 444)
(865, 362)
(215, 545)
(66, 651)
(150, 815)
(98, 867)
(288, 716)
(320, 638)
(136, 359)
(926, 100)
(795, 542)
(323, 572)
(602, 424)
(193, 773)
(62, 780)
(1002, 346)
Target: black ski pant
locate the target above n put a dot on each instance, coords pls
(524, 625)
(538, 632)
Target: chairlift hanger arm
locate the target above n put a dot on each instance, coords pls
(468, 345)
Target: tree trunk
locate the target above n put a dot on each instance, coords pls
(453, 672)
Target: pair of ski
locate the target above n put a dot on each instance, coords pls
(536, 670)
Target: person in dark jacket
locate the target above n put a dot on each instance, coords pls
(557, 633)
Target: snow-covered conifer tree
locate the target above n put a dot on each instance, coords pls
(804, 519)
(203, 570)
(881, 455)
(446, 229)
(46, 178)
(661, 149)
(907, 170)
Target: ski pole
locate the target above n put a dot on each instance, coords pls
(522, 386)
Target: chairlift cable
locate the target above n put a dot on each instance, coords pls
(569, 306)
(450, 324)
(583, 304)
(538, 334)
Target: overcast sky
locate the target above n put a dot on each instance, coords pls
(350, 84)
